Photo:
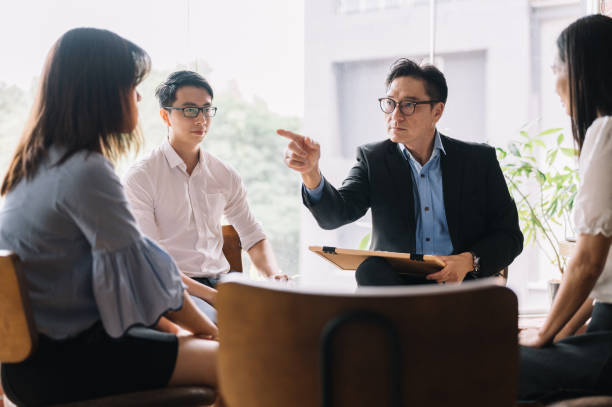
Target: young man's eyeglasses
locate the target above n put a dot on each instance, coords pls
(407, 108)
(207, 111)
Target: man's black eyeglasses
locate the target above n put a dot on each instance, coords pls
(208, 111)
(407, 108)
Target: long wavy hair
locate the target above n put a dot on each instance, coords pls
(585, 47)
(83, 102)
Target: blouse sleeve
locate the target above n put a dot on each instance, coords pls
(593, 204)
(134, 281)
(135, 285)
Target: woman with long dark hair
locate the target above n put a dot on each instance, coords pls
(552, 367)
(95, 282)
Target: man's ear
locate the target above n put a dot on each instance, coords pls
(438, 109)
(164, 115)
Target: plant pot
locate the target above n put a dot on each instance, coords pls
(553, 287)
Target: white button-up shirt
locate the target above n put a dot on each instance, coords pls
(183, 212)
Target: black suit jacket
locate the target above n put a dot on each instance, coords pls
(481, 215)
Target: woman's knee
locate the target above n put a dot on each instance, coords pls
(196, 362)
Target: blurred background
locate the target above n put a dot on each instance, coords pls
(316, 67)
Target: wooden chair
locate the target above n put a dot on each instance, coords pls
(18, 339)
(232, 248)
(411, 346)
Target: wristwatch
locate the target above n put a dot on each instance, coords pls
(475, 263)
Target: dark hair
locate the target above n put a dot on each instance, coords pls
(83, 102)
(166, 91)
(585, 46)
(435, 83)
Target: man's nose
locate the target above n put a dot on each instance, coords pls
(396, 114)
(200, 118)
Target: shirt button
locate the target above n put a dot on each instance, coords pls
(426, 208)
(422, 175)
(427, 239)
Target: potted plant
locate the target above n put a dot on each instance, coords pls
(543, 182)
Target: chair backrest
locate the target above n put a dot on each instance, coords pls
(232, 248)
(18, 336)
(425, 346)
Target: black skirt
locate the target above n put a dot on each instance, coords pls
(91, 365)
(574, 367)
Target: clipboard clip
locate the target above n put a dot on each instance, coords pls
(416, 256)
(329, 250)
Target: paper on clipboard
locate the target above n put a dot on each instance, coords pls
(404, 263)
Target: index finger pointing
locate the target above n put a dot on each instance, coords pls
(290, 135)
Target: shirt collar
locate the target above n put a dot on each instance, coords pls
(437, 149)
(175, 160)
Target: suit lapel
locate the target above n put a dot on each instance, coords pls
(452, 165)
(400, 173)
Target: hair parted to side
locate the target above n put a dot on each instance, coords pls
(435, 83)
(585, 47)
(166, 91)
(83, 102)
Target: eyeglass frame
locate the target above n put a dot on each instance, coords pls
(203, 109)
(406, 103)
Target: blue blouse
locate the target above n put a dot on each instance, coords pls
(83, 256)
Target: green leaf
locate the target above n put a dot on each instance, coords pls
(541, 177)
(539, 143)
(551, 156)
(560, 139)
(570, 152)
(550, 131)
(514, 150)
(552, 208)
(501, 154)
(365, 241)
(524, 134)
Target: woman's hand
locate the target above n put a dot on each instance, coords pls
(280, 277)
(210, 330)
(164, 325)
(532, 337)
(190, 318)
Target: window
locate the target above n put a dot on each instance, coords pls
(496, 56)
(251, 52)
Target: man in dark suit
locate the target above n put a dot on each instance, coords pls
(429, 194)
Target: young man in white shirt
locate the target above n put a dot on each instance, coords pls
(180, 192)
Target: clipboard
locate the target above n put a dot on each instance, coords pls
(404, 263)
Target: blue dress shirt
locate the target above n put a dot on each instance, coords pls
(432, 236)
